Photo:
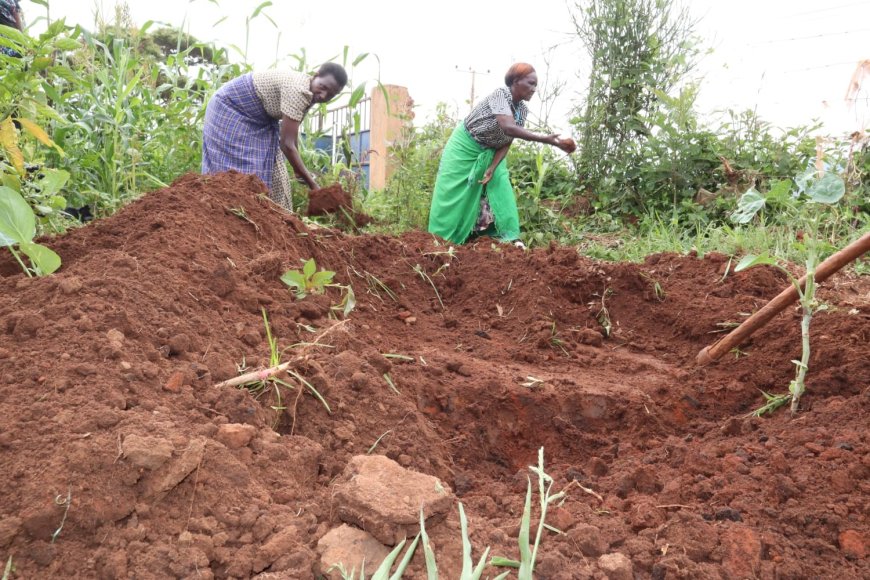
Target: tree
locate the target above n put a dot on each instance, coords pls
(640, 50)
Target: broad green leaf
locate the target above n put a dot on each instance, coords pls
(64, 73)
(47, 111)
(16, 218)
(294, 278)
(11, 181)
(358, 93)
(5, 240)
(53, 180)
(829, 189)
(749, 204)
(13, 34)
(322, 278)
(780, 192)
(309, 268)
(57, 202)
(45, 260)
(41, 63)
(359, 58)
(803, 180)
(349, 301)
(751, 260)
(66, 44)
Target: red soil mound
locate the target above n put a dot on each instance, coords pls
(106, 398)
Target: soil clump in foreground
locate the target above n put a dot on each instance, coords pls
(122, 459)
(333, 200)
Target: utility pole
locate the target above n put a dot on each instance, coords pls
(474, 74)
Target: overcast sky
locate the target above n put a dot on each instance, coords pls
(789, 59)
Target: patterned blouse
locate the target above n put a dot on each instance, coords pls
(284, 92)
(482, 124)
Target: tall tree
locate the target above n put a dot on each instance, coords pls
(639, 50)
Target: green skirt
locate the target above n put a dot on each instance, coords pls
(456, 200)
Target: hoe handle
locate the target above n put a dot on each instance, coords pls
(715, 351)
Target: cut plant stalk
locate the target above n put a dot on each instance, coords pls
(258, 375)
(785, 298)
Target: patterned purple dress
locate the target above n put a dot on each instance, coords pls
(238, 132)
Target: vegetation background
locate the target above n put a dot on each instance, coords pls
(94, 118)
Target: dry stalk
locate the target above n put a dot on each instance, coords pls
(585, 489)
(263, 374)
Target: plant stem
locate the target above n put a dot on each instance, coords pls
(18, 259)
(807, 302)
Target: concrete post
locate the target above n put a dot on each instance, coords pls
(387, 124)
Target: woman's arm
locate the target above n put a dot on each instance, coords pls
(496, 159)
(514, 131)
(288, 142)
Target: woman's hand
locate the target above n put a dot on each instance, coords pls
(567, 145)
(487, 177)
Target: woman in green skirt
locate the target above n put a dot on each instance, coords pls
(473, 194)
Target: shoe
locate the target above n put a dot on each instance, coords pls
(519, 244)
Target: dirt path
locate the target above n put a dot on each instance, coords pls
(106, 398)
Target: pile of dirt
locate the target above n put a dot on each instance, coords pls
(122, 459)
(334, 200)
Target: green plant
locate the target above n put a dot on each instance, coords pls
(272, 383)
(470, 571)
(9, 569)
(814, 192)
(347, 302)
(17, 228)
(639, 51)
(27, 113)
(416, 154)
(307, 280)
(383, 571)
(658, 291)
(528, 551)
